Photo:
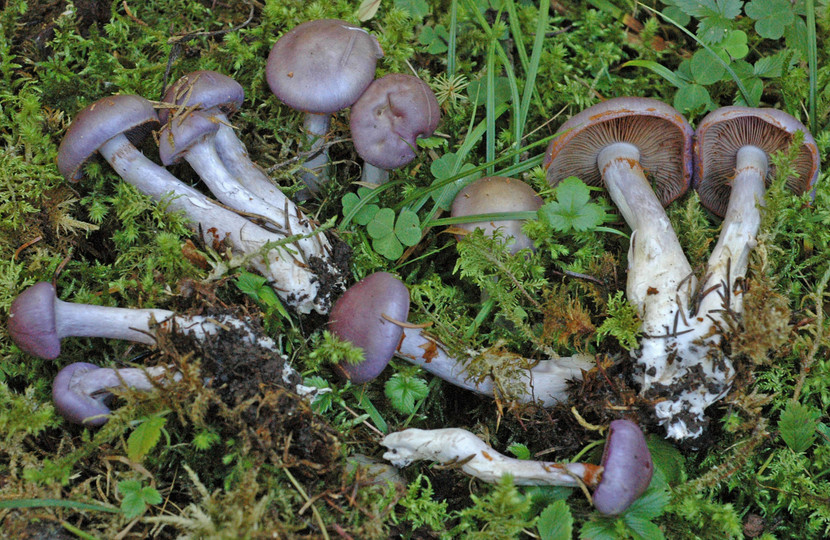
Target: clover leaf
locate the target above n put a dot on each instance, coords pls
(771, 16)
(389, 234)
(572, 208)
(366, 213)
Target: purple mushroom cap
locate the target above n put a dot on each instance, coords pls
(660, 133)
(723, 132)
(206, 90)
(357, 317)
(32, 322)
(390, 116)
(130, 115)
(78, 407)
(627, 466)
(182, 132)
(322, 66)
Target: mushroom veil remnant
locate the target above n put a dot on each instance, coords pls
(320, 67)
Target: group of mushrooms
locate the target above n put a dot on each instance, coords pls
(641, 150)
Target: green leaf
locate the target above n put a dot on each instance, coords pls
(383, 224)
(366, 213)
(735, 44)
(599, 529)
(572, 208)
(771, 16)
(798, 426)
(642, 529)
(769, 66)
(446, 167)
(714, 16)
(692, 98)
(408, 228)
(477, 91)
(519, 450)
(404, 391)
(667, 459)
(388, 246)
(435, 39)
(671, 76)
(705, 67)
(555, 522)
(417, 9)
(136, 497)
(144, 437)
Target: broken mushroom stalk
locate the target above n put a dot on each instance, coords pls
(622, 476)
(111, 125)
(226, 168)
(320, 67)
(387, 121)
(370, 315)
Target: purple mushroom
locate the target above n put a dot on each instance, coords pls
(623, 476)
(493, 194)
(81, 392)
(111, 125)
(225, 167)
(320, 67)
(362, 315)
(387, 120)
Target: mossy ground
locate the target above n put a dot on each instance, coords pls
(257, 462)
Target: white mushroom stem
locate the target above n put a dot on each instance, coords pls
(208, 164)
(476, 458)
(545, 382)
(285, 214)
(730, 258)
(99, 381)
(316, 169)
(659, 275)
(699, 370)
(374, 175)
(140, 326)
(293, 281)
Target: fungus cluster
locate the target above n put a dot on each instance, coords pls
(613, 144)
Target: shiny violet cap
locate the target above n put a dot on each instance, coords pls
(205, 90)
(74, 405)
(322, 66)
(183, 131)
(724, 131)
(130, 115)
(627, 468)
(32, 323)
(390, 116)
(662, 135)
(357, 317)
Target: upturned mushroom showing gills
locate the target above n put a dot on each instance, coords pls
(621, 478)
(387, 120)
(493, 194)
(111, 125)
(732, 152)
(320, 67)
(365, 316)
(613, 144)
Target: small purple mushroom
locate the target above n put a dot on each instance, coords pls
(387, 120)
(358, 317)
(81, 391)
(320, 67)
(624, 474)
